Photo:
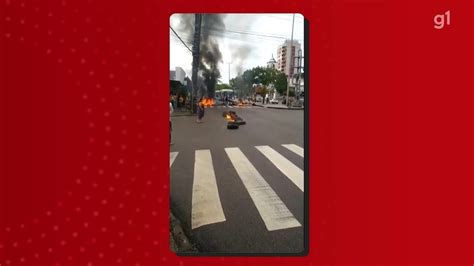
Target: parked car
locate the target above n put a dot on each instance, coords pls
(274, 101)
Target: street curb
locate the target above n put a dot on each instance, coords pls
(181, 114)
(179, 242)
(290, 108)
(280, 108)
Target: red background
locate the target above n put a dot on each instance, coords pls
(84, 142)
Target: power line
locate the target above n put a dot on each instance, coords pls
(228, 32)
(297, 19)
(178, 42)
(254, 41)
(281, 37)
(253, 33)
(183, 37)
(180, 39)
(257, 37)
(233, 34)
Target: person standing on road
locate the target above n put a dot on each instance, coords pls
(175, 101)
(200, 110)
(171, 126)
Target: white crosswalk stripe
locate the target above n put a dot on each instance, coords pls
(273, 211)
(294, 148)
(206, 204)
(206, 207)
(173, 156)
(295, 174)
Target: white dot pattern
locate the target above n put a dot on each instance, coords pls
(94, 219)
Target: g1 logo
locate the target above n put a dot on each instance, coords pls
(442, 19)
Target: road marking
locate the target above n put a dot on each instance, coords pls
(295, 174)
(206, 204)
(173, 156)
(273, 211)
(294, 148)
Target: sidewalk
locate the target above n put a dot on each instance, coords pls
(279, 106)
(179, 242)
(181, 112)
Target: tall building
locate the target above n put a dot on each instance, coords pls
(172, 75)
(285, 59)
(178, 74)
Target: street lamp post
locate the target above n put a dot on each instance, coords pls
(291, 53)
(229, 71)
(299, 67)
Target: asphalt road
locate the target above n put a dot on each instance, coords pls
(247, 203)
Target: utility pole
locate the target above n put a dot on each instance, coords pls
(299, 67)
(196, 44)
(291, 64)
(229, 76)
(229, 71)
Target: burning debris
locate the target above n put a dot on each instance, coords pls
(232, 125)
(233, 120)
(208, 102)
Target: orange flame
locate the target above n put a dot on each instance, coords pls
(230, 117)
(207, 102)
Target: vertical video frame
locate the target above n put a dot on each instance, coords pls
(237, 134)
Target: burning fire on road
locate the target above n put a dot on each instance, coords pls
(233, 120)
(208, 102)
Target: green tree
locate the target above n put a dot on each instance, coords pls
(280, 83)
(223, 86)
(261, 76)
(261, 90)
(248, 77)
(241, 86)
(176, 87)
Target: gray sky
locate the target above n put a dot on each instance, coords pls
(249, 40)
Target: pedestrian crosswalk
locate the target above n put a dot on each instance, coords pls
(295, 174)
(273, 211)
(173, 156)
(206, 207)
(295, 148)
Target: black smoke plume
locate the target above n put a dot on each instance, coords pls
(213, 28)
(210, 54)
